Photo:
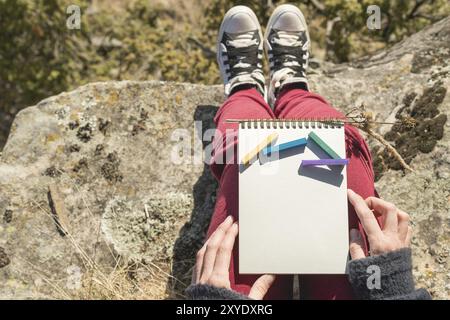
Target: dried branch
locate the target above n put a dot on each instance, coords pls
(59, 214)
(330, 25)
(317, 5)
(415, 9)
(209, 54)
(429, 17)
(389, 147)
(364, 121)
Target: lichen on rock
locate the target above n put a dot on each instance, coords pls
(134, 226)
(4, 259)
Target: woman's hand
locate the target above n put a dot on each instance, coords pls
(213, 261)
(396, 232)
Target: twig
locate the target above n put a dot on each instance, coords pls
(416, 7)
(388, 146)
(362, 120)
(329, 29)
(58, 209)
(429, 16)
(317, 5)
(210, 54)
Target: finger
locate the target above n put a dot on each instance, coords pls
(356, 245)
(387, 209)
(198, 264)
(211, 249)
(261, 286)
(223, 258)
(365, 215)
(408, 237)
(403, 224)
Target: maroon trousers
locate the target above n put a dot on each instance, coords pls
(292, 104)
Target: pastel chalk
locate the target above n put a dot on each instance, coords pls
(254, 152)
(325, 147)
(284, 146)
(325, 162)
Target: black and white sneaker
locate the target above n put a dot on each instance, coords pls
(287, 45)
(240, 50)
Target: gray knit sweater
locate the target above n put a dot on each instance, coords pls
(396, 281)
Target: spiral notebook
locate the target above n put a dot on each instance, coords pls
(293, 219)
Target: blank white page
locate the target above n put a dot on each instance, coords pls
(292, 219)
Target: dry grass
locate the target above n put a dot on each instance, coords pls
(124, 280)
(120, 284)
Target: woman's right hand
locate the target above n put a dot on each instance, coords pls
(396, 232)
(213, 262)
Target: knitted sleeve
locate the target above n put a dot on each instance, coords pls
(385, 277)
(207, 292)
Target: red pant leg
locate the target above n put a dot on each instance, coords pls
(297, 103)
(244, 104)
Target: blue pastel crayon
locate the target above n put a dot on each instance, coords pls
(284, 146)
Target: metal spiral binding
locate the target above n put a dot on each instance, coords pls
(290, 123)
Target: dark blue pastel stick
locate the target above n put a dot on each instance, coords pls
(325, 162)
(284, 146)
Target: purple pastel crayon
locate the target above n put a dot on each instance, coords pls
(325, 162)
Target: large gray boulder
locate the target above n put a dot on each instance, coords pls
(86, 177)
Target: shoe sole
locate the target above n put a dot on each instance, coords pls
(276, 14)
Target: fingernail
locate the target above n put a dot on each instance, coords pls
(229, 218)
(351, 191)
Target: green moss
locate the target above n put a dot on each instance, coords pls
(409, 142)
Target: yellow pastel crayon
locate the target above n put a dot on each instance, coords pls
(249, 156)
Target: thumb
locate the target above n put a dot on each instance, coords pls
(356, 245)
(261, 286)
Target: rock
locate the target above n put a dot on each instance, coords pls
(109, 150)
(114, 170)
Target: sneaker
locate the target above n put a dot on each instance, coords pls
(287, 45)
(240, 50)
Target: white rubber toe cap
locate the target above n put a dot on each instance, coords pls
(288, 18)
(240, 19)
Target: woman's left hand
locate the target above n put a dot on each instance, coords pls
(213, 261)
(395, 233)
